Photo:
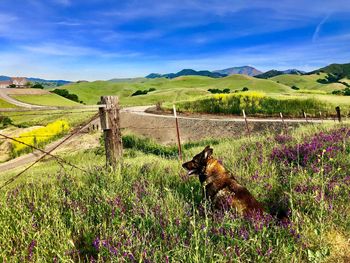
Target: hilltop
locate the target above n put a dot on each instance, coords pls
(244, 70)
(187, 72)
(341, 70)
(273, 73)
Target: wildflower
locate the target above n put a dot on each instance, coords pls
(31, 247)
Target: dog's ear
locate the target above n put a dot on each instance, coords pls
(208, 152)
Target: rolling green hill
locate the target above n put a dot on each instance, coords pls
(171, 90)
(342, 70)
(307, 82)
(5, 104)
(45, 100)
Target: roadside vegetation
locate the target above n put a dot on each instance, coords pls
(150, 211)
(256, 104)
(38, 137)
(45, 100)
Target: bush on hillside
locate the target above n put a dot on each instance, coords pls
(245, 89)
(295, 87)
(65, 93)
(218, 91)
(37, 86)
(5, 121)
(142, 92)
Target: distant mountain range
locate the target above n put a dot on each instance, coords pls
(187, 72)
(43, 81)
(245, 70)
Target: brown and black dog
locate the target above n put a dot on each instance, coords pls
(220, 186)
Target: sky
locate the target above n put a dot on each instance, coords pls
(104, 39)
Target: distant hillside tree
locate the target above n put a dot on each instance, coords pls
(37, 86)
(65, 93)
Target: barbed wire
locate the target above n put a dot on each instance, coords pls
(74, 132)
(43, 151)
(8, 114)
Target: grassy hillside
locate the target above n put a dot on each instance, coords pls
(171, 90)
(307, 82)
(45, 100)
(150, 211)
(336, 69)
(5, 104)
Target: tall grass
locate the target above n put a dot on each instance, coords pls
(255, 103)
(150, 211)
(38, 137)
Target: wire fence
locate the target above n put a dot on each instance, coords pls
(87, 125)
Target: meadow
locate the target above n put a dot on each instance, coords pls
(149, 210)
(38, 137)
(45, 100)
(5, 104)
(258, 104)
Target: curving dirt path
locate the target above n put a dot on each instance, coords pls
(4, 94)
(142, 121)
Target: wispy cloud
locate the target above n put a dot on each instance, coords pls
(319, 27)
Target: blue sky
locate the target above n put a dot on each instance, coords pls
(103, 39)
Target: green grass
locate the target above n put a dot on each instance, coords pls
(45, 100)
(307, 82)
(149, 210)
(169, 90)
(41, 118)
(5, 104)
(258, 104)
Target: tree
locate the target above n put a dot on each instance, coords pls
(12, 86)
(245, 89)
(37, 86)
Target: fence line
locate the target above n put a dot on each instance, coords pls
(74, 132)
(110, 122)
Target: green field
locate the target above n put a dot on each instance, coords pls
(150, 211)
(5, 104)
(193, 87)
(308, 82)
(170, 90)
(45, 100)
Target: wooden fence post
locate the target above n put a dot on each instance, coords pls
(110, 124)
(284, 124)
(246, 123)
(178, 133)
(305, 116)
(338, 113)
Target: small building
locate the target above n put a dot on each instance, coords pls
(18, 81)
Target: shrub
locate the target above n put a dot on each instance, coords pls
(219, 91)
(5, 121)
(37, 86)
(152, 89)
(139, 92)
(38, 137)
(245, 89)
(295, 87)
(65, 93)
(254, 103)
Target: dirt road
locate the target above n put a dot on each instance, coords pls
(162, 129)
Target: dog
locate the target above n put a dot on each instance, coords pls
(220, 186)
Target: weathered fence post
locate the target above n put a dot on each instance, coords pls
(110, 123)
(338, 113)
(321, 117)
(178, 133)
(246, 123)
(305, 116)
(284, 124)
